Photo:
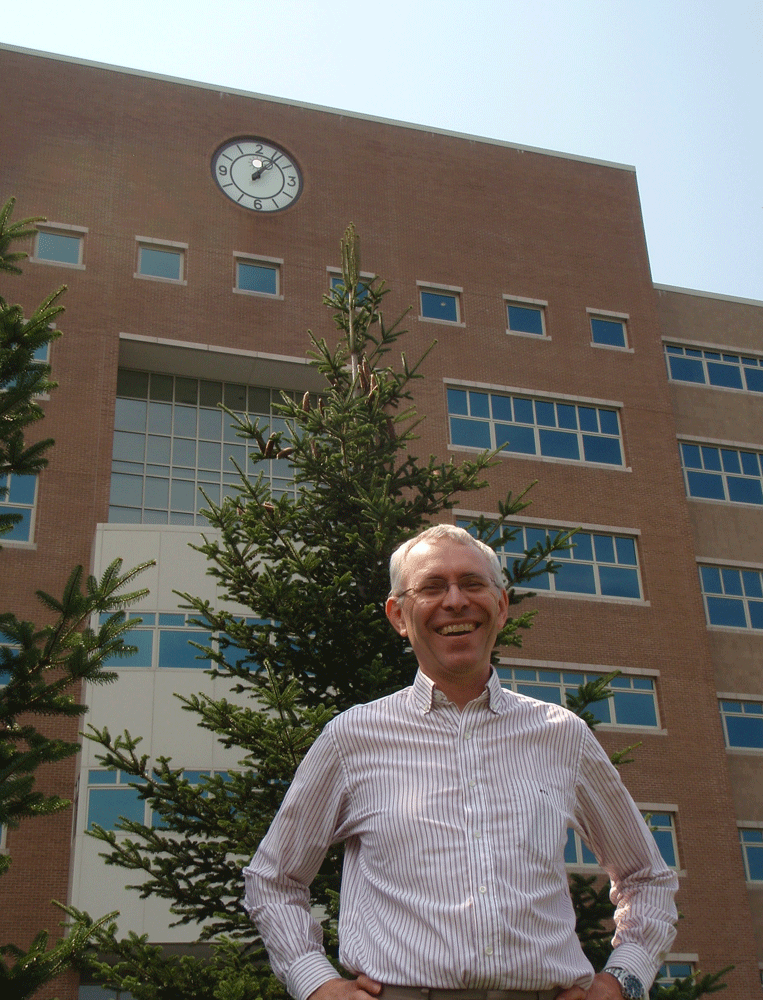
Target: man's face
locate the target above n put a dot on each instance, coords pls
(453, 612)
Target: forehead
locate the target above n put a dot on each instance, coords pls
(444, 557)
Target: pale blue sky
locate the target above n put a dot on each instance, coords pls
(674, 87)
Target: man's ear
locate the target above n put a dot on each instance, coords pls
(394, 610)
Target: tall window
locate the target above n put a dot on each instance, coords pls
(729, 474)
(17, 496)
(524, 425)
(171, 441)
(715, 368)
(599, 564)
(742, 723)
(751, 842)
(733, 597)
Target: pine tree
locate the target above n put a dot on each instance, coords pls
(313, 570)
(40, 666)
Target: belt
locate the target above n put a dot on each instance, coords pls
(414, 993)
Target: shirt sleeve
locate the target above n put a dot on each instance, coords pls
(643, 887)
(277, 881)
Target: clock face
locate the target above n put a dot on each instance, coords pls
(257, 175)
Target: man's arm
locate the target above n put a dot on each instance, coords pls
(643, 887)
(278, 878)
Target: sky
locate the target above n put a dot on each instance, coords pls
(672, 87)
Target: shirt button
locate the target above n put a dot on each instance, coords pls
(477, 835)
(488, 950)
(467, 735)
(472, 784)
(483, 888)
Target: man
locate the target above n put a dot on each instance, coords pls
(453, 798)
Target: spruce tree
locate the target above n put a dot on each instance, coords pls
(313, 570)
(41, 665)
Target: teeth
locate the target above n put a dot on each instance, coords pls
(457, 629)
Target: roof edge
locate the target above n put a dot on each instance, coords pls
(708, 295)
(314, 107)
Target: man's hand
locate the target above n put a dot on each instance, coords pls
(361, 988)
(603, 987)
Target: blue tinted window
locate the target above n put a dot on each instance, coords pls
(619, 582)
(160, 263)
(728, 376)
(59, 248)
(705, 485)
(17, 497)
(576, 578)
(726, 611)
(752, 851)
(557, 444)
(479, 404)
(457, 401)
(261, 278)
(525, 319)
(686, 370)
(440, 305)
(608, 332)
(107, 805)
(523, 411)
(514, 438)
(470, 433)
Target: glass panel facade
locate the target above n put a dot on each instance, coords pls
(172, 441)
(526, 426)
(714, 368)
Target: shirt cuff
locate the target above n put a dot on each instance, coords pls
(308, 973)
(636, 961)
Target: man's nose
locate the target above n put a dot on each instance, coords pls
(455, 597)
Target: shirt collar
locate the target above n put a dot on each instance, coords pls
(425, 695)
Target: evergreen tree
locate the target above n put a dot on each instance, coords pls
(41, 665)
(313, 570)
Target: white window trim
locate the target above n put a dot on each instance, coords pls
(703, 345)
(731, 563)
(152, 243)
(608, 314)
(252, 258)
(433, 286)
(65, 229)
(520, 300)
(534, 393)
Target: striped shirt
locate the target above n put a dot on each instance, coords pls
(455, 825)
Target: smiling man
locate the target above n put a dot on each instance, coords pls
(454, 798)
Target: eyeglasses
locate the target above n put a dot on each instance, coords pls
(436, 589)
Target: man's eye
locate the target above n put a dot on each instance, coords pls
(431, 589)
(474, 586)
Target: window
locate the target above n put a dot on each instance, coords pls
(337, 284)
(162, 261)
(59, 245)
(525, 317)
(742, 723)
(751, 841)
(714, 368)
(111, 797)
(599, 564)
(608, 331)
(663, 827)
(733, 597)
(577, 852)
(714, 473)
(258, 275)
(171, 440)
(163, 640)
(17, 496)
(443, 305)
(633, 701)
(524, 425)
(671, 970)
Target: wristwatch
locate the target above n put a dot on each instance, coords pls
(631, 986)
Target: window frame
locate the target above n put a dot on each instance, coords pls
(60, 229)
(670, 976)
(542, 527)
(729, 713)
(715, 468)
(454, 292)
(162, 246)
(742, 590)
(606, 316)
(9, 506)
(274, 264)
(589, 672)
(756, 842)
(715, 359)
(537, 305)
(335, 277)
(546, 437)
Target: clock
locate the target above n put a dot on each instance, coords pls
(257, 175)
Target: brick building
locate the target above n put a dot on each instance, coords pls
(636, 407)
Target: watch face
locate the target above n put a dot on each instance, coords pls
(257, 175)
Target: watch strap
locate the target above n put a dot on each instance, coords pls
(630, 986)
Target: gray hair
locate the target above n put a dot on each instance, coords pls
(434, 534)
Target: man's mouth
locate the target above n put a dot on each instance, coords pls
(458, 628)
